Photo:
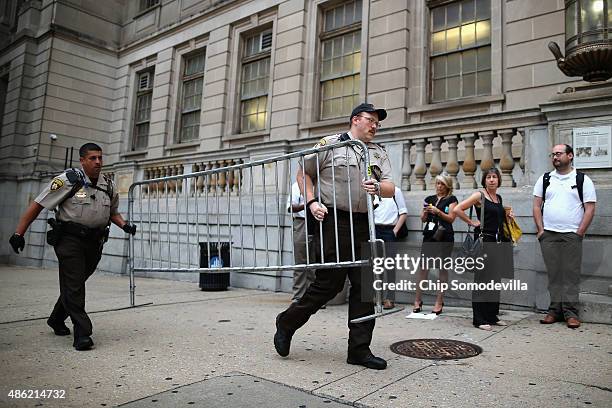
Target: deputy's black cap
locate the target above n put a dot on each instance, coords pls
(368, 107)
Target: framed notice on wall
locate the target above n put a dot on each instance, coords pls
(593, 147)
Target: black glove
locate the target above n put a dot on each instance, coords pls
(17, 242)
(129, 228)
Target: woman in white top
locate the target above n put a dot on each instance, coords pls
(389, 217)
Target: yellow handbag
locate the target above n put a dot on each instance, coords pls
(512, 230)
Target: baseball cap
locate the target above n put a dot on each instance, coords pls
(368, 107)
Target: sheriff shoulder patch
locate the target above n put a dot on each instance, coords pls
(56, 184)
(376, 156)
(322, 142)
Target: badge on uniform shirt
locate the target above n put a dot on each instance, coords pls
(56, 184)
(81, 193)
(376, 156)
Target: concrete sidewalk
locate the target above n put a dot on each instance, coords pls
(214, 349)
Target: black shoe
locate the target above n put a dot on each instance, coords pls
(418, 309)
(282, 340)
(371, 361)
(60, 329)
(438, 312)
(83, 343)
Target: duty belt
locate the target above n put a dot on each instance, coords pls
(79, 230)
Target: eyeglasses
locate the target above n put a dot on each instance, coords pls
(556, 154)
(372, 121)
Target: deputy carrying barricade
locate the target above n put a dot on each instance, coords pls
(182, 217)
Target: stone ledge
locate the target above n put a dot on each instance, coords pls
(595, 308)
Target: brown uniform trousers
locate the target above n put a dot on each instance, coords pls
(78, 259)
(329, 282)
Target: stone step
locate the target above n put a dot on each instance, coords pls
(595, 308)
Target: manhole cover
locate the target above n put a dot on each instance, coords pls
(436, 349)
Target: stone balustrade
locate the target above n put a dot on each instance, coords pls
(463, 157)
(162, 188)
(221, 183)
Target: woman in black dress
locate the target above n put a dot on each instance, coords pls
(485, 303)
(437, 214)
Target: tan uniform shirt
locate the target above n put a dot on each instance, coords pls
(348, 165)
(89, 206)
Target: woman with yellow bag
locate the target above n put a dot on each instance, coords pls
(499, 262)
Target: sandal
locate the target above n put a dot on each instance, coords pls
(388, 304)
(486, 327)
(438, 312)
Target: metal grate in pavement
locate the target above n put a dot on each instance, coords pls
(436, 349)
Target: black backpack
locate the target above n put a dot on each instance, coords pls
(579, 186)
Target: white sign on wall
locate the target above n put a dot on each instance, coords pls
(593, 147)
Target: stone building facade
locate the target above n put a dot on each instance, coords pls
(172, 86)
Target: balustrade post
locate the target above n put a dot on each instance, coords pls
(193, 181)
(452, 163)
(506, 161)
(469, 162)
(157, 173)
(420, 168)
(171, 185)
(208, 181)
(487, 161)
(179, 169)
(221, 178)
(237, 177)
(200, 181)
(145, 187)
(406, 169)
(435, 167)
(230, 178)
(521, 132)
(214, 178)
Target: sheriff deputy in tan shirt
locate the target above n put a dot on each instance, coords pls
(86, 203)
(342, 167)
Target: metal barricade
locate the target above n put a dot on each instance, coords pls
(174, 213)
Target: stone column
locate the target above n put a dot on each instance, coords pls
(420, 168)
(406, 169)
(452, 164)
(506, 162)
(469, 162)
(487, 161)
(435, 167)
